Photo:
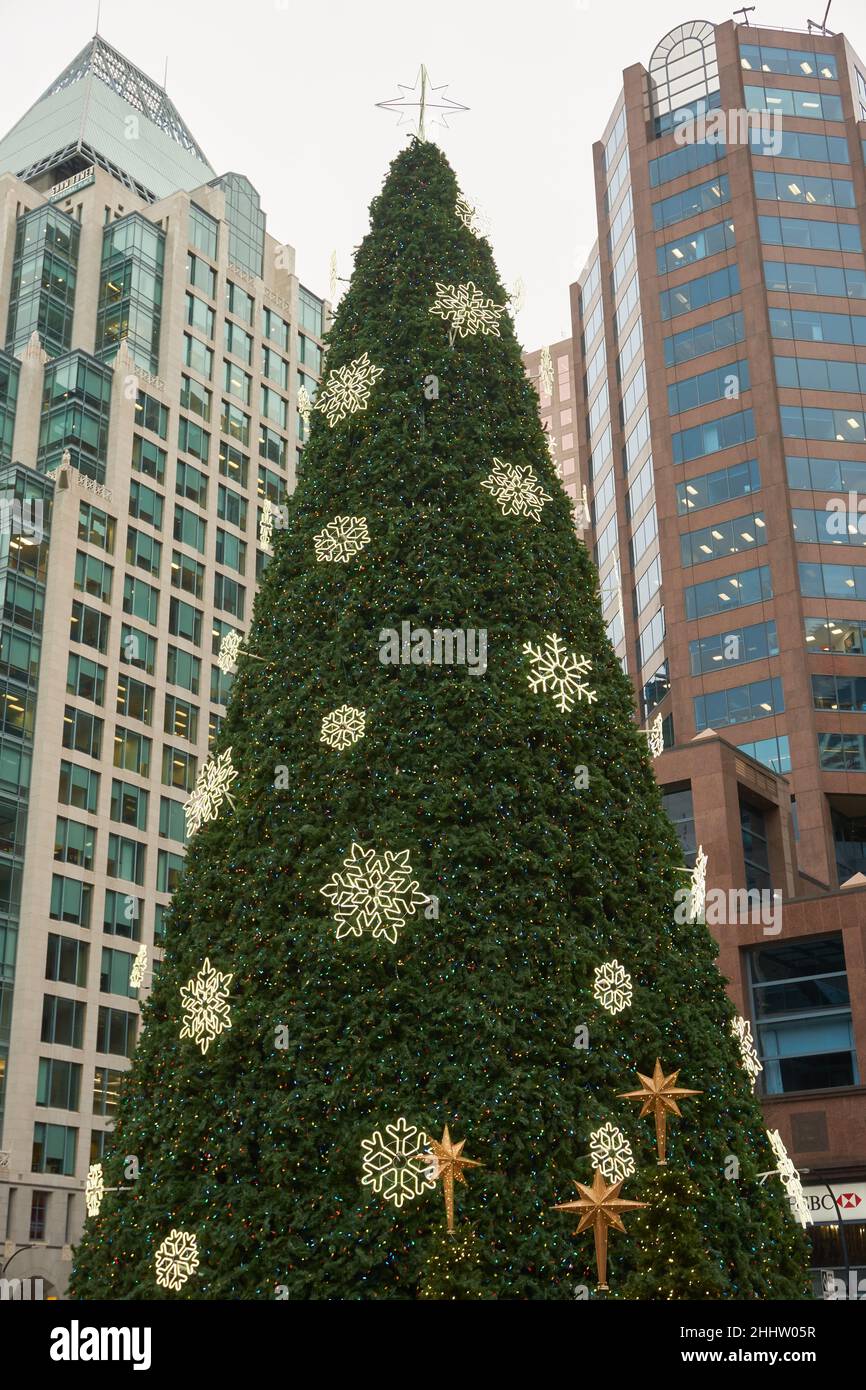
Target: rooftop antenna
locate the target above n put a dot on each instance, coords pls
(98, 14)
(745, 12)
(820, 25)
(165, 75)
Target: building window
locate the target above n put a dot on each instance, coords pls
(738, 704)
(106, 1090)
(62, 1021)
(66, 960)
(679, 808)
(76, 403)
(116, 1031)
(54, 1148)
(130, 290)
(756, 855)
(114, 975)
(203, 232)
(70, 900)
(122, 914)
(58, 1084)
(38, 1215)
(42, 292)
(803, 1015)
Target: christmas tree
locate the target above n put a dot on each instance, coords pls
(431, 883)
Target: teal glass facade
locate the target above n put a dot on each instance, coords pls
(9, 373)
(76, 402)
(44, 271)
(246, 223)
(130, 290)
(25, 498)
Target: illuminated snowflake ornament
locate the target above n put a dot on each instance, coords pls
(94, 1190)
(517, 490)
(655, 737)
(698, 890)
(742, 1031)
(343, 727)
(582, 516)
(610, 1152)
(266, 523)
(305, 404)
(612, 988)
(517, 296)
(551, 448)
(342, 538)
(471, 216)
(467, 309)
(545, 372)
(210, 791)
(206, 1011)
(138, 967)
(176, 1259)
(560, 672)
(227, 656)
(790, 1178)
(376, 894)
(347, 389)
(395, 1163)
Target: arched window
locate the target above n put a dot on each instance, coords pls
(683, 68)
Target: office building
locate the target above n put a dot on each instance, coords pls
(719, 344)
(155, 340)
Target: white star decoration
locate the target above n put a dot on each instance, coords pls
(347, 389)
(210, 791)
(790, 1178)
(343, 727)
(611, 1153)
(467, 309)
(94, 1190)
(396, 1165)
(612, 988)
(206, 1011)
(742, 1031)
(230, 646)
(517, 489)
(558, 670)
(342, 538)
(138, 967)
(176, 1259)
(377, 893)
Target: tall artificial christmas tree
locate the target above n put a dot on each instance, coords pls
(431, 884)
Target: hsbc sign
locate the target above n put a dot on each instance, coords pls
(849, 1203)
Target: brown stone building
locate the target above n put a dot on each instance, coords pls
(719, 348)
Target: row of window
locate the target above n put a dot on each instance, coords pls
(719, 383)
(123, 912)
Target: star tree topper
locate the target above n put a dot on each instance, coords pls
(600, 1207)
(422, 97)
(448, 1166)
(659, 1094)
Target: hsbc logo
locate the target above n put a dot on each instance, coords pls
(849, 1200)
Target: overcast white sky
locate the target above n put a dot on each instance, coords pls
(284, 91)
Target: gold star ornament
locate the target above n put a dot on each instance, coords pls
(449, 1165)
(659, 1094)
(600, 1207)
